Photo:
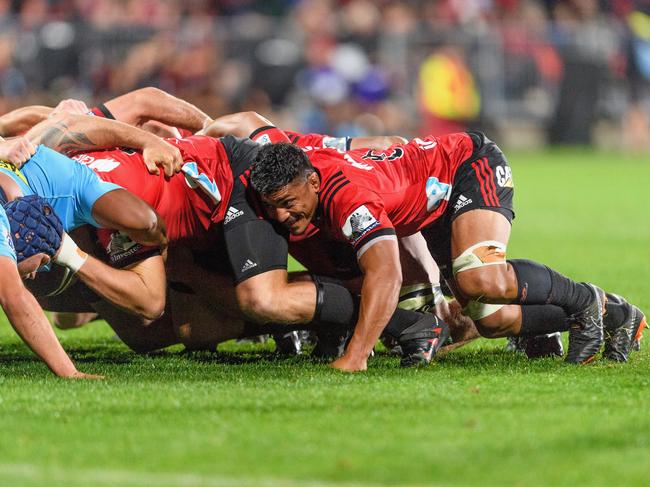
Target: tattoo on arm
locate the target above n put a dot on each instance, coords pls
(60, 138)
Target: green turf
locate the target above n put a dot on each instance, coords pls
(479, 416)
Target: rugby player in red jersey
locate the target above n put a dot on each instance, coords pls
(86, 199)
(302, 299)
(458, 190)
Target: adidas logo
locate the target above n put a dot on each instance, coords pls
(462, 201)
(248, 265)
(231, 214)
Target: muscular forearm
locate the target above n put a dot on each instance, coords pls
(379, 142)
(140, 106)
(29, 321)
(20, 120)
(379, 296)
(73, 133)
(240, 124)
(140, 291)
(415, 247)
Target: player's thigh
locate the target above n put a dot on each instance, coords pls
(200, 323)
(138, 335)
(476, 226)
(203, 275)
(479, 241)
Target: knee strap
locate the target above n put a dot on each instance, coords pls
(477, 310)
(489, 252)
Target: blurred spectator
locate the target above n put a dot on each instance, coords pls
(588, 45)
(448, 94)
(344, 66)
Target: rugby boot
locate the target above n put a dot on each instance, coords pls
(330, 344)
(586, 331)
(516, 344)
(540, 346)
(287, 343)
(391, 344)
(619, 341)
(422, 340)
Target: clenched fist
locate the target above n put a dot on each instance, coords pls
(17, 150)
(160, 153)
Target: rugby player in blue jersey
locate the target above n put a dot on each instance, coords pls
(24, 312)
(79, 197)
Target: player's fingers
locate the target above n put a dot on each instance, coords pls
(26, 151)
(31, 148)
(178, 162)
(81, 107)
(151, 167)
(168, 166)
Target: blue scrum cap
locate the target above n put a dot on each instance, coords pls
(35, 228)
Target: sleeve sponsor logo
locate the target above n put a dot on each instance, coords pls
(436, 191)
(339, 143)
(358, 224)
(263, 139)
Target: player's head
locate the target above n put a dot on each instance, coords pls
(288, 185)
(36, 232)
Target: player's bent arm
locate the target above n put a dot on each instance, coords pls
(379, 295)
(379, 142)
(22, 119)
(240, 124)
(139, 289)
(144, 104)
(29, 321)
(416, 246)
(76, 133)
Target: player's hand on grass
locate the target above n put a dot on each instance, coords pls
(349, 363)
(17, 150)
(160, 153)
(81, 375)
(76, 107)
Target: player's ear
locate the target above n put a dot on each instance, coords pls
(314, 181)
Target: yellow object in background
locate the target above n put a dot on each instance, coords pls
(447, 87)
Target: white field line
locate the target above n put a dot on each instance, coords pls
(49, 475)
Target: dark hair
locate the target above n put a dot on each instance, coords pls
(277, 165)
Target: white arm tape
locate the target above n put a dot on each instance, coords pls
(70, 255)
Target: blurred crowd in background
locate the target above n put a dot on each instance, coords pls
(526, 71)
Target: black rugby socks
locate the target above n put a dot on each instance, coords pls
(538, 284)
(540, 319)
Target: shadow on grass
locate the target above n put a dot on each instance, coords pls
(247, 357)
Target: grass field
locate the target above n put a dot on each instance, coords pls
(479, 416)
